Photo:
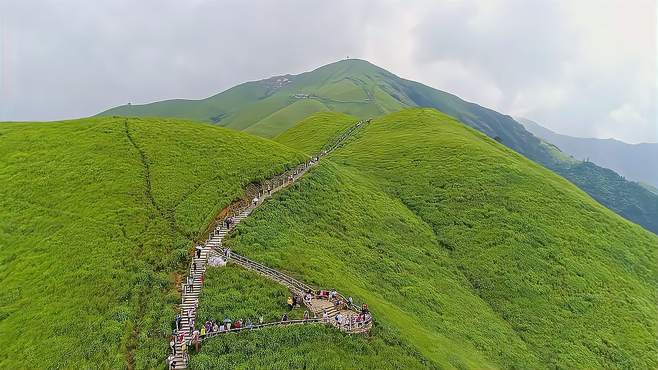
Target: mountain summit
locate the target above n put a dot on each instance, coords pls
(269, 107)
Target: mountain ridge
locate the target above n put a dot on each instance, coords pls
(625, 158)
(364, 90)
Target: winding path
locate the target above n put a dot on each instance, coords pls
(323, 309)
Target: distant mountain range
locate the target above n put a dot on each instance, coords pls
(271, 106)
(629, 160)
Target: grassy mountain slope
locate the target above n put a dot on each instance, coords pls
(469, 252)
(311, 134)
(268, 107)
(236, 293)
(286, 117)
(96, 218)
(364, 90)
(626, 159)
(303, 347)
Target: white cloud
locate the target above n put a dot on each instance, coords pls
(567, 64)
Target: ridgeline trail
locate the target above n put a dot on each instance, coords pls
(325, 310)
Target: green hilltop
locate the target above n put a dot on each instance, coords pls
(356, 87)
(469, 255)
(468, 252)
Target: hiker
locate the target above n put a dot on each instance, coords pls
(294, 301)
(332, 294)
(290, 301)
(194, 267)
(178, 320)
(215, 328)
(249, 324)
(222, 328)
(325, 316)
(183, 348)
(172, 346)
(171, 362)
(306, 315)
(198, 251)
(269, 189)
(203, 332)
(195, 340)
(349, 301)
(339, 319)
(307, 298)
(364, 308)
(285, 317)
(255, 201)
(260, 320)
(227, 253)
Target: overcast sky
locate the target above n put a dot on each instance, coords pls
(579, 67)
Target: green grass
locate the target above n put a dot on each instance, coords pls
(96, 220)
(305, 347)
(285, 118)
(267, 109)
(343, 90)
(311, 134)
(470, 253)
(237, 293)
(361, 89)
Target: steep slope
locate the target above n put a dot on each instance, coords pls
(467, 251)
(626, 159)
(364, 90)
(96, 218)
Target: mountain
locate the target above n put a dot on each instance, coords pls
(359, 88)
(97, 217)
(629, 160)
(471, 254)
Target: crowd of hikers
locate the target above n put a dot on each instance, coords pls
(195, 334)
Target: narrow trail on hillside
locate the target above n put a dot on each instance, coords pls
(167, 214)
(328, 308)
(170, 217)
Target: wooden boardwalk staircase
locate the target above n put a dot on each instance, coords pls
(323, 310)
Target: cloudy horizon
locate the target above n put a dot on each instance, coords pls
(585, 68)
